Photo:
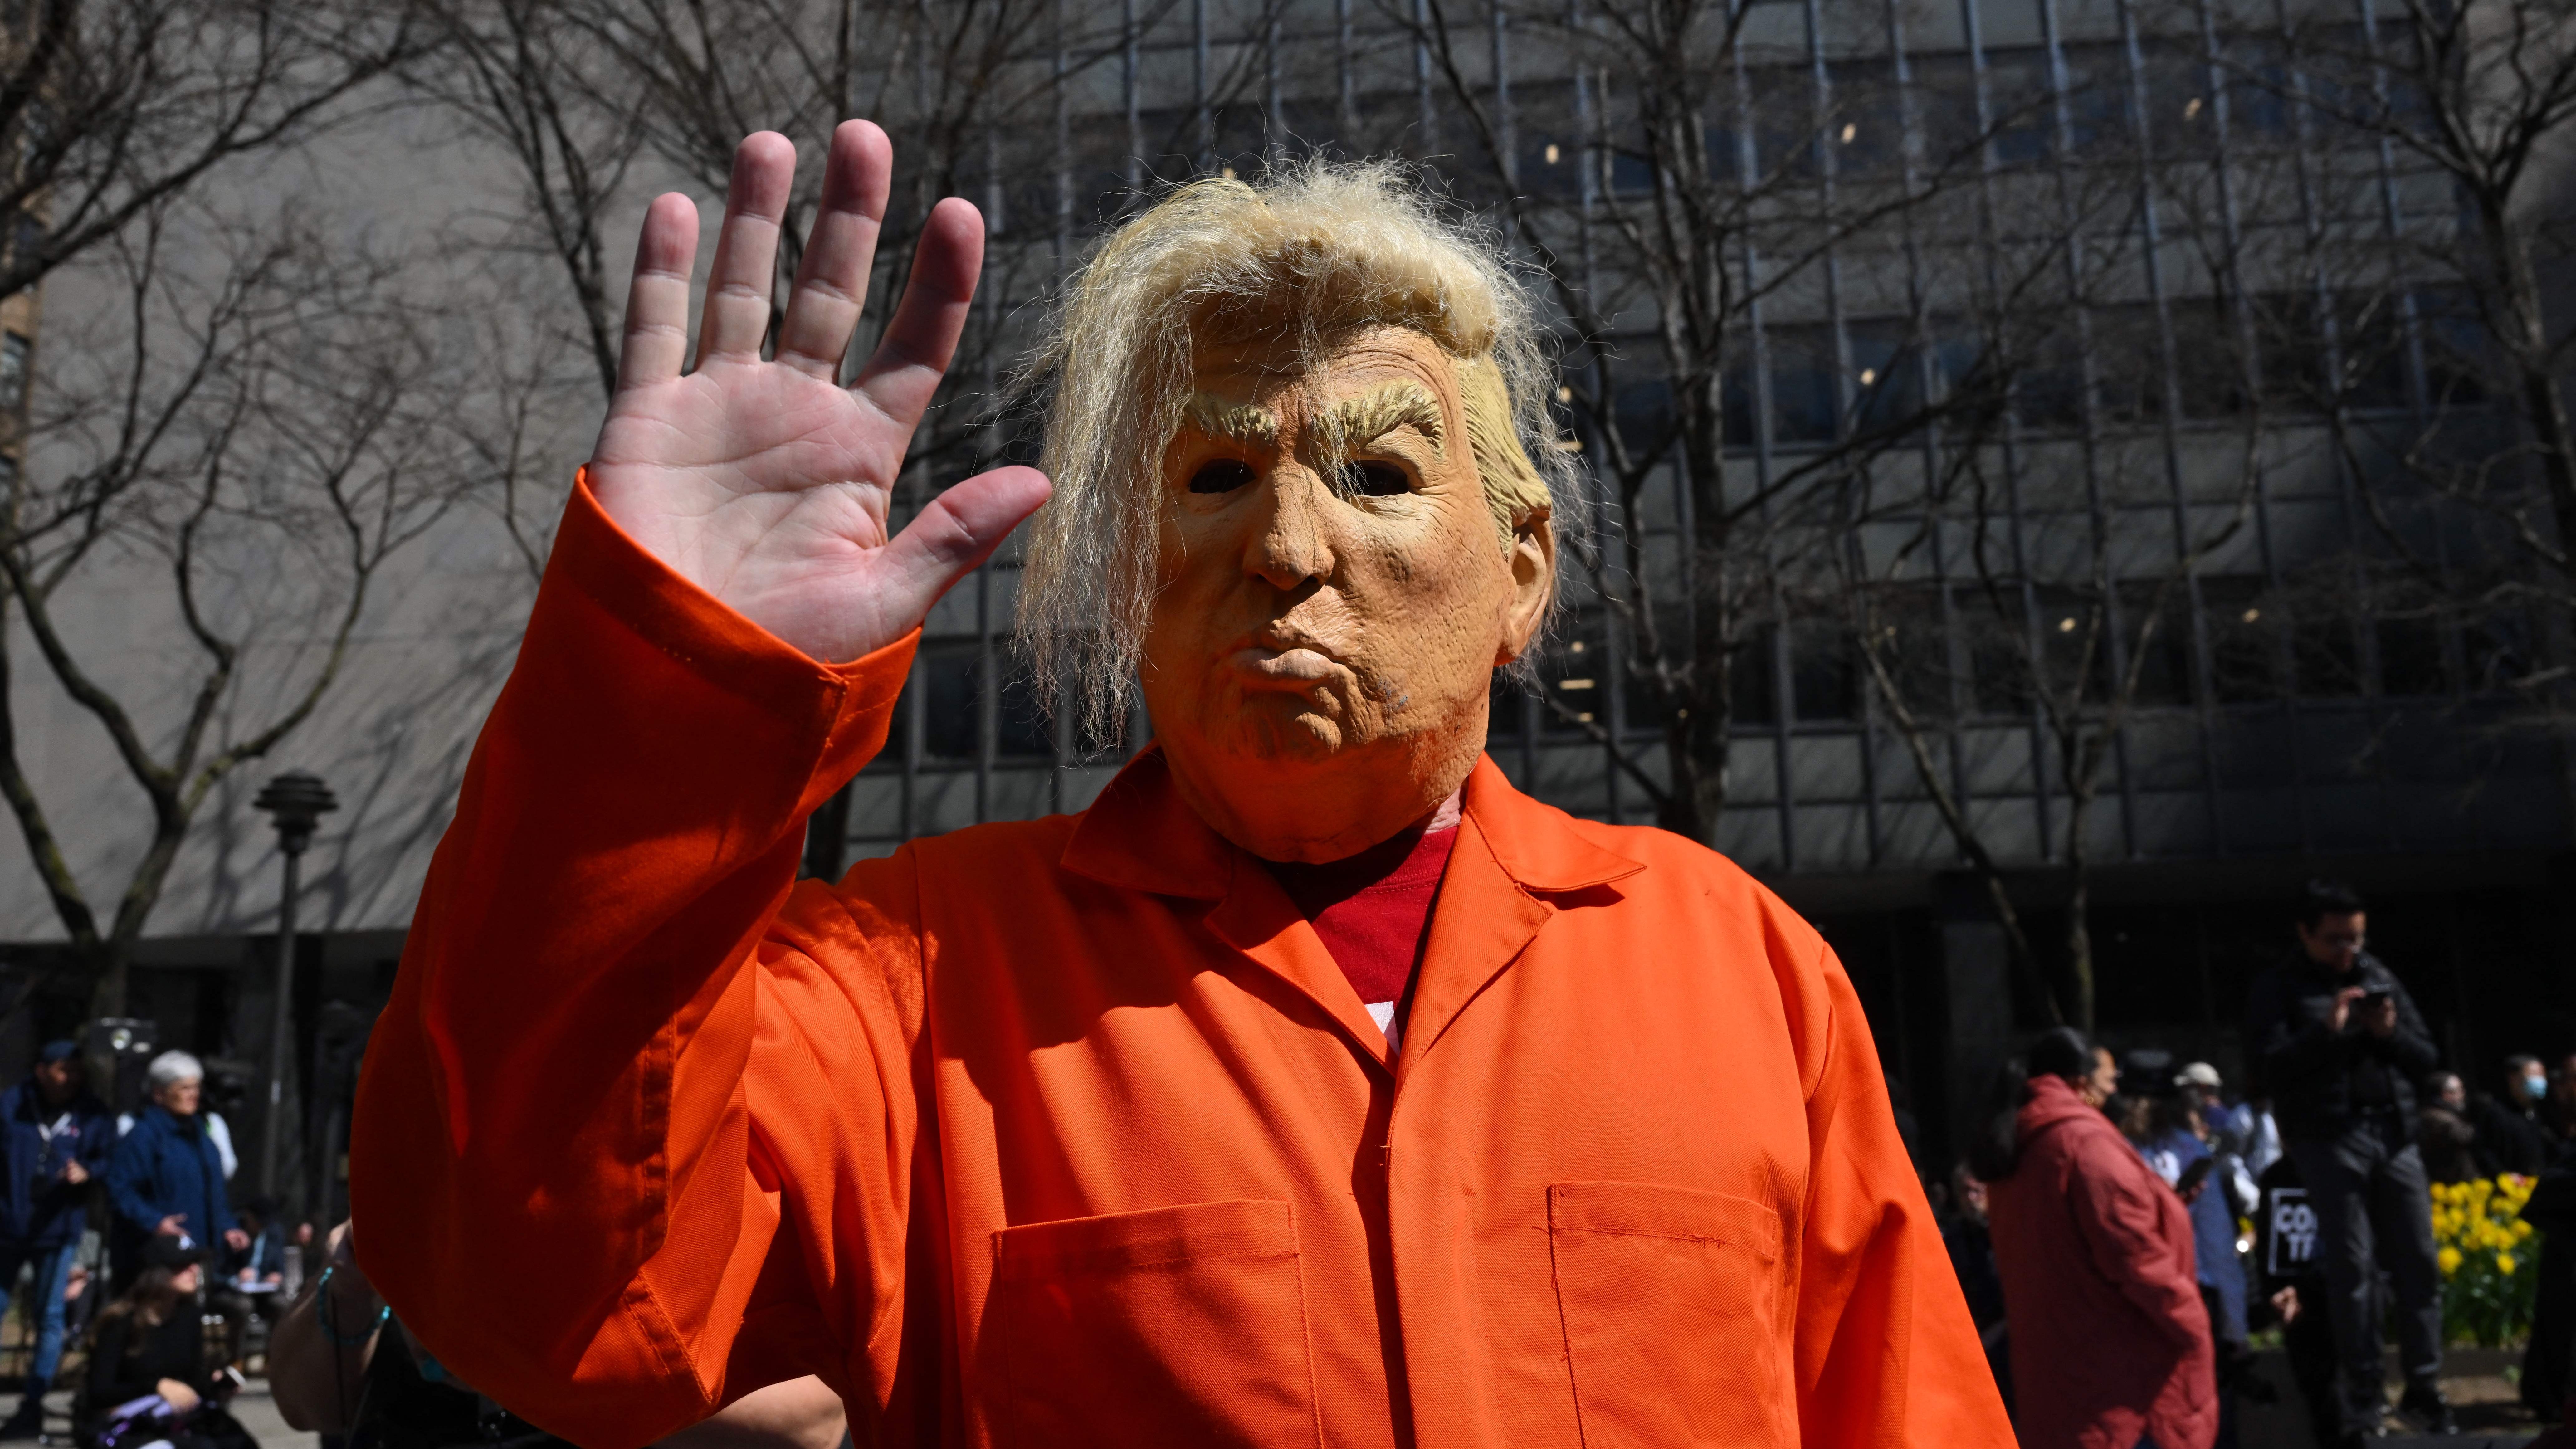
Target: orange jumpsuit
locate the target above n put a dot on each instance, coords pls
(1070, 1132)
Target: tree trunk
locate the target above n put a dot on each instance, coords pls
(2079, 949)
(1707, 729)
(106, 968)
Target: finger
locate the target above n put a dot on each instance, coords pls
(738, 283)
(959, 530)
(832, 281)
(656, 342)
(907, 366)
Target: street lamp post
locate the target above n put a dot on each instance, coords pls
(295, 803)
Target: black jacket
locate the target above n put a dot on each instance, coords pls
(2323, 1082)
(127, 1362)
(2509, 1139)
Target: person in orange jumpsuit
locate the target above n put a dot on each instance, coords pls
(1313, 1087)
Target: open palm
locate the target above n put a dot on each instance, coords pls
(764, 481)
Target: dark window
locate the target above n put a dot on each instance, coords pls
(1503, 709)
(1576, 676)
(1887, 374)
(2181, 119)
(2257, 90)
(1552, 165)
(2325, 651)
(1945, 97)
(2373, 344)
(2097, 96)
(1024, 729)
(2410, 656)
(2291, 343)
(2457, 348)
(2074, 641)
(952, 729)
(1912, 647)
(2211, 363)
(2244, 640)
(1824, 682)
(2159, 640)
(1751, 680)
(1643, 705)
(1644, 412)
(1866, 128)
(1997, 643)
(2498, 648)
(2022, 121)
(1803, 407)
(948, 683)
(2049, 393)
(2129, 367)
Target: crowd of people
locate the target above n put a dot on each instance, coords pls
(172, 1252)
(181, 1272)
(2095, 1220)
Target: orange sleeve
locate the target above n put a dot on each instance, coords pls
(1886, 1352)
(569, 1166)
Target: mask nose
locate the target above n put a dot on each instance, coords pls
(1291, 544)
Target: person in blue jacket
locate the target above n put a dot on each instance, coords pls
(167, 1179)
(54, 1138)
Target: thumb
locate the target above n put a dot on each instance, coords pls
(959, 530)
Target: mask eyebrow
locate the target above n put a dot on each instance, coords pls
(1344, 427)
(1248, 422)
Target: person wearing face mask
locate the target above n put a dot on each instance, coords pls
(1313, 1085)
(2511, 1135)
(2558, 1111)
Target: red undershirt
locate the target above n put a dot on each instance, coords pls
(1372, 911)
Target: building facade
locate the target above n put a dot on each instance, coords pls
(2211, 362)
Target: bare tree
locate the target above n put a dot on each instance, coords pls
(2439, 149)
(109, 108)
(241, 447)
(2034, 574)
(582, 96)
(1701, 194)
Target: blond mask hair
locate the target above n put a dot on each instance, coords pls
(1309, 256)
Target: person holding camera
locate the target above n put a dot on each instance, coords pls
(2339, 1044)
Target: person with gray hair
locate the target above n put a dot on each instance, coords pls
(167, 1178)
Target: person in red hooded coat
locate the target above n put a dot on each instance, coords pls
(2110, 1343)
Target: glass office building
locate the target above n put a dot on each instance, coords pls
(2293, 713)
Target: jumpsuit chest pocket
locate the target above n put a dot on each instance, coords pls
(1670, 1298)
(1174, 1325)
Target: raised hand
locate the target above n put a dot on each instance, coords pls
(766, 483)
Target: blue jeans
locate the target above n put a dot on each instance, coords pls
(52, 1265)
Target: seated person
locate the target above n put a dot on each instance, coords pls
(148, 1376)
(250, 1280)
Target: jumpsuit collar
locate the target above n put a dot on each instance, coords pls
(1514, 856)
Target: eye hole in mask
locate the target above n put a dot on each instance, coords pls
(1222, 475)
(1374, 480)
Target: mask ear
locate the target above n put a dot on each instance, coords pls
(1532, 560)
